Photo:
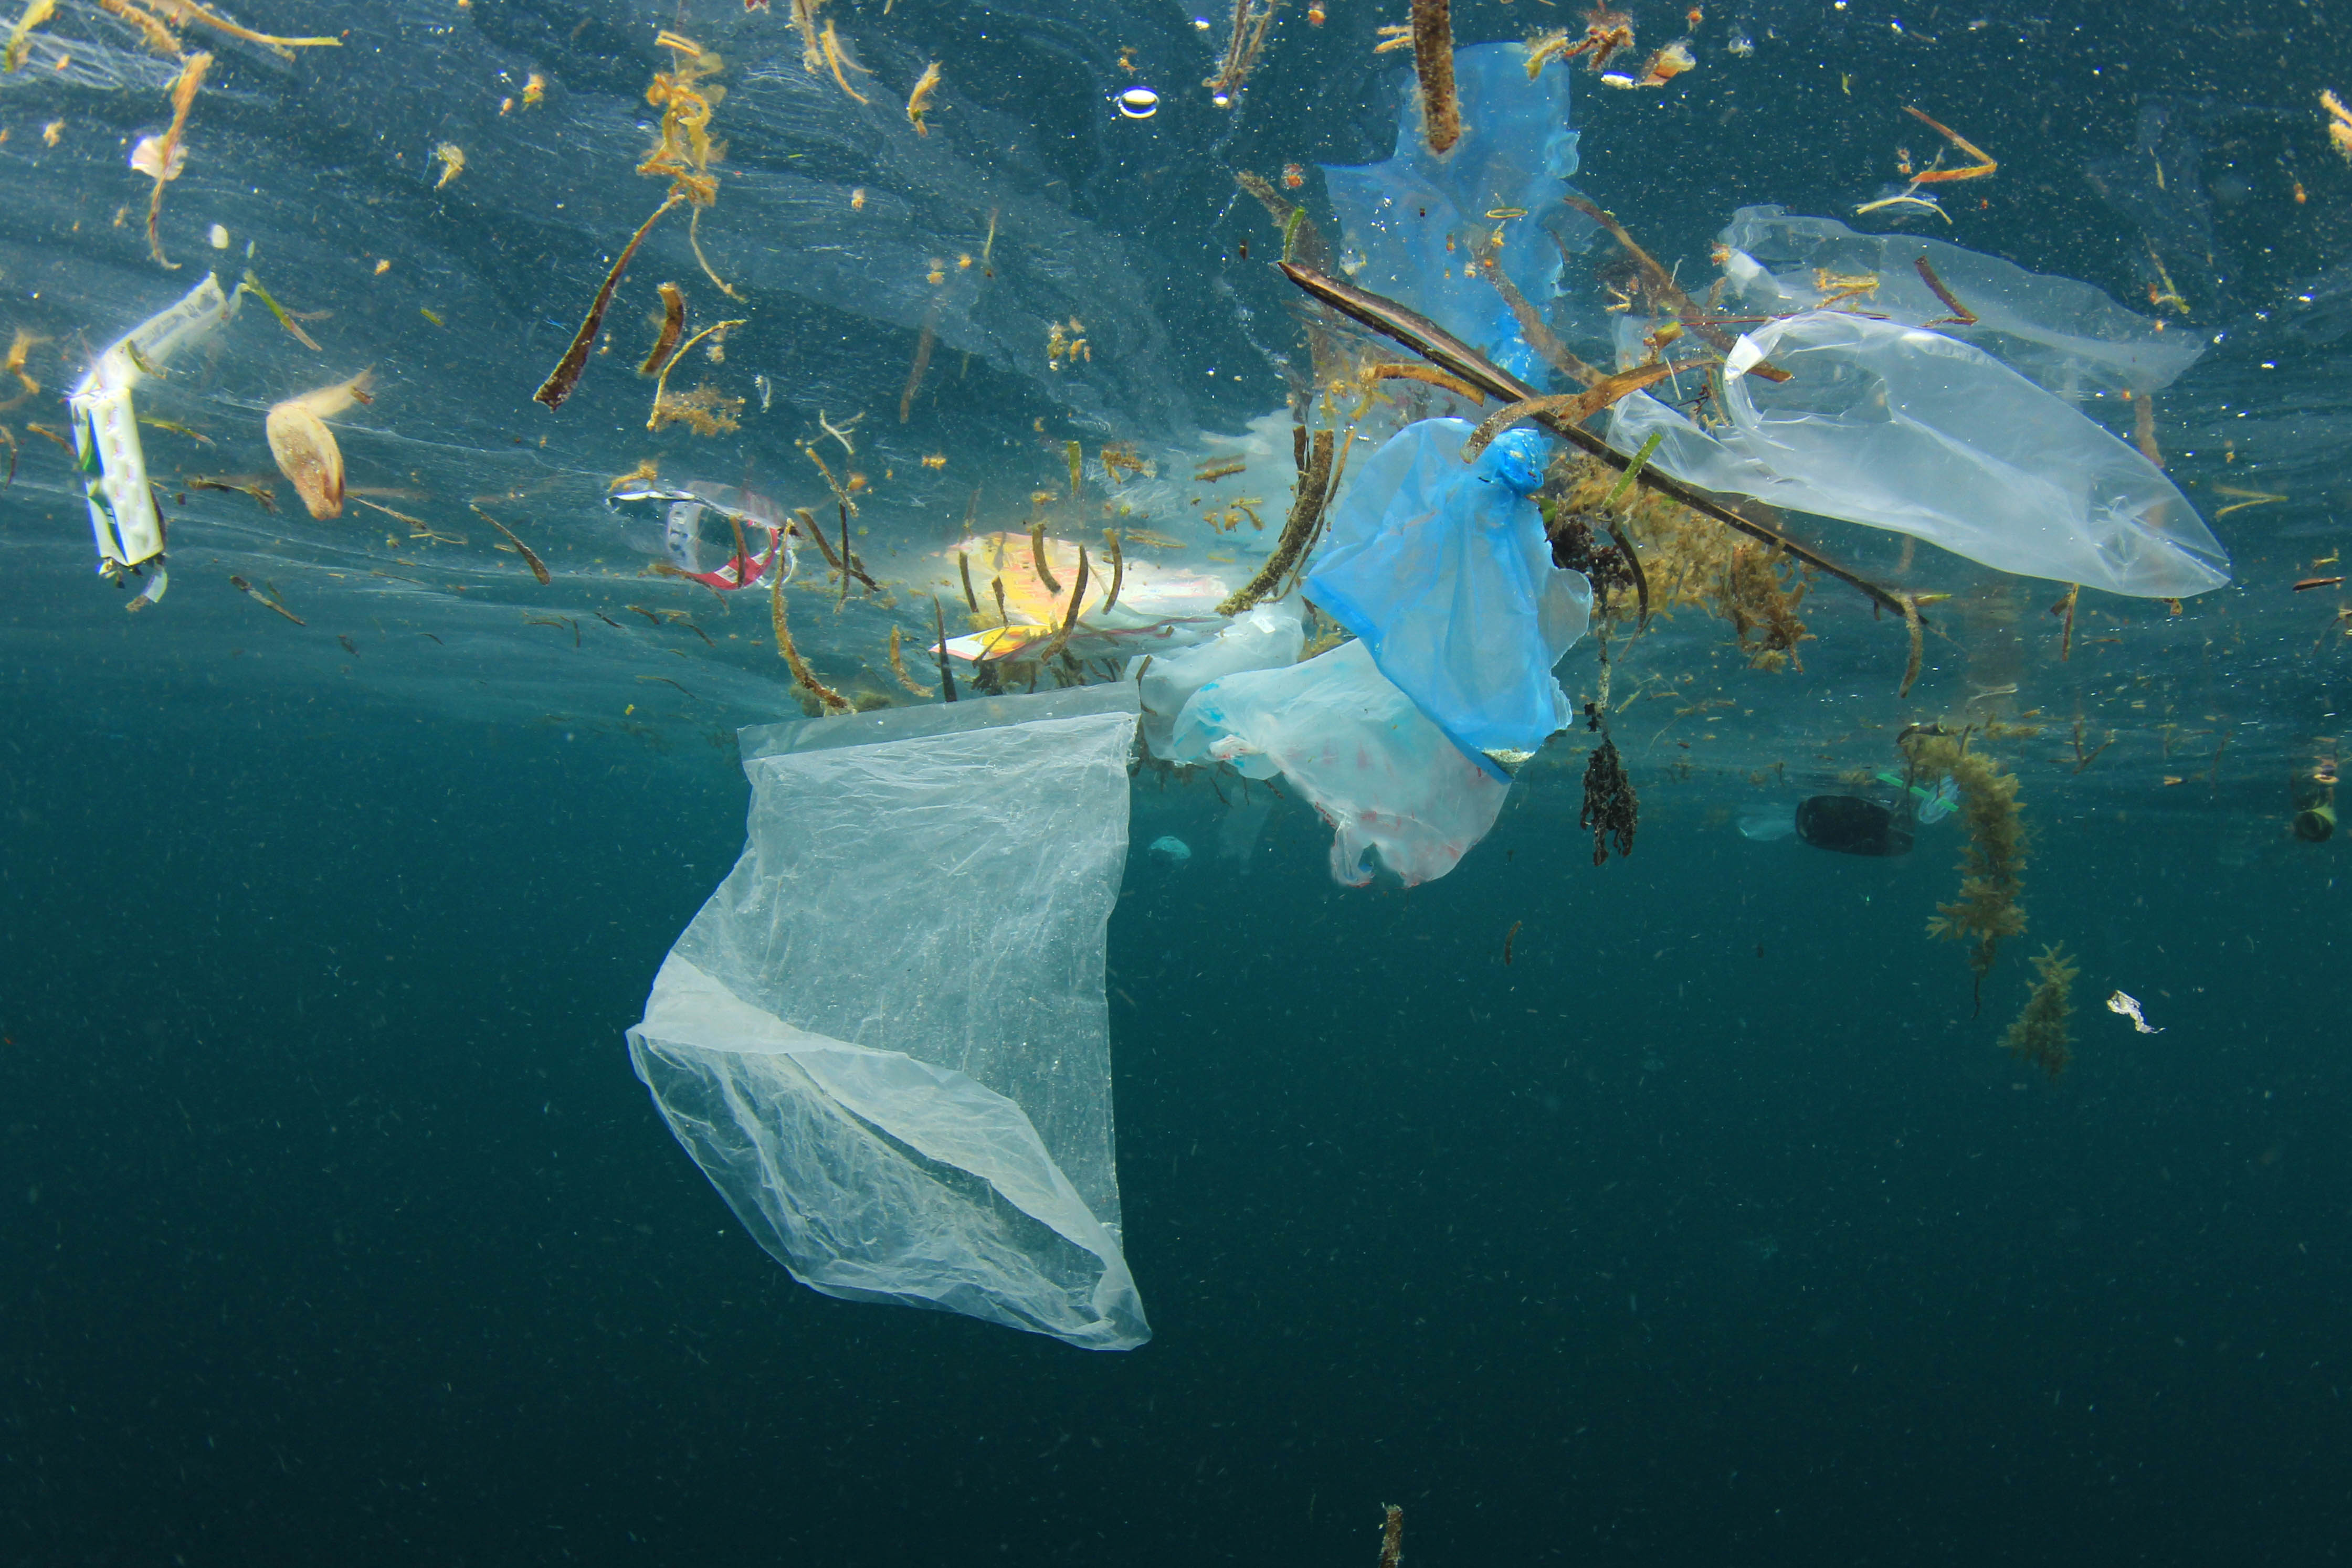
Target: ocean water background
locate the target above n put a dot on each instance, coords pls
(1711, 1227)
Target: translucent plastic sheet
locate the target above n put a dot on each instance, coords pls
(1912, 430)
(1384, 776)
(1411, 227)
(1442, 568)
(884, 1037)
(2057, 333)
(1266, 636)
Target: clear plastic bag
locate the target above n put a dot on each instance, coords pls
(1410, 227)
(1441, 568)
(1383, 776)
(885, 1038)
(1262, 637)
(1906, 429)
(2058, 333)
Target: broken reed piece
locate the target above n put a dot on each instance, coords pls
(1918, 645)
(1962, 315)
(1432, 62)
(1662, 284)
(1118, 568)
(940, 627)
(832, 701)
(1070, 622)
(922, 362)
(1441, 348)
(1306, 514)
(1037, 557)
(898, 666)
(566, 374)
(2066, 606)
(537, 567)
(672, 328)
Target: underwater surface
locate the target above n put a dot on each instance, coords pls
(1702, 1205)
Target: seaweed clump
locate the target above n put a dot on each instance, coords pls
(1692, 563)
(2039, 1035)
(706, 410)
(1992, 865)
(1611, 809)
(1761, 605)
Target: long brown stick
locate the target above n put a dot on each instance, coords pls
(1441, 348)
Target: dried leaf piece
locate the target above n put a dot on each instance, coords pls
(305, 448)
(566, 374)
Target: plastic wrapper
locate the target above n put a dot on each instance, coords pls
(885, 1038)
(1383, 776)
(2061, 334)
(1909, 430)
(1412, 227)
(697, 531)
(1442, 568)
(1266, 636)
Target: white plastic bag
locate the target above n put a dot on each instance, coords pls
(885, 1038)
(1262, 637)
(2061, 334)
(1906, 429)
(1382, 774)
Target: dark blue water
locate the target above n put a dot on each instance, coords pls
(1712, 1228)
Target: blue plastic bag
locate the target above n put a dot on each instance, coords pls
(1410, 228)
(1442, 570)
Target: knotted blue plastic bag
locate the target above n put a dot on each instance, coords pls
(1442, 568)
(1410, 227)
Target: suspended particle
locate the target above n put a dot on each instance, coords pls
(1138, 103)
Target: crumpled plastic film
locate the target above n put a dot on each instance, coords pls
(1384, 776)
(2058, 333)
(1262, 637)
(1442, 568)
(1906, 429)
(885, 1038)
(1410, 228)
